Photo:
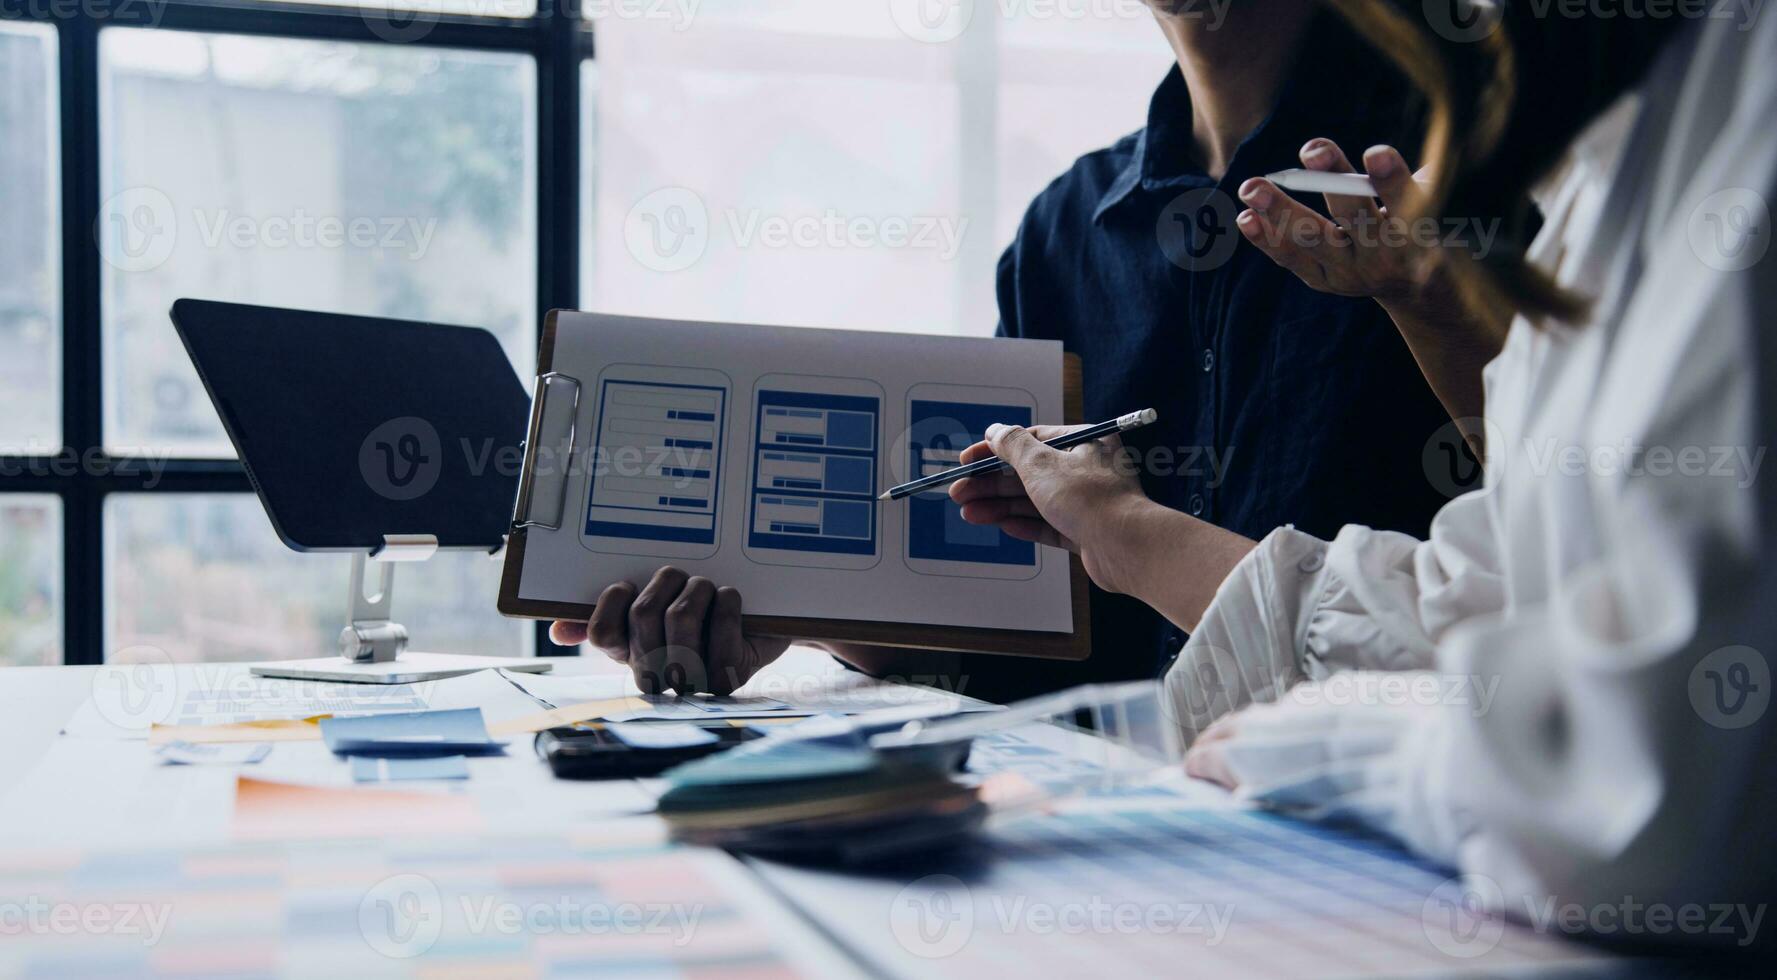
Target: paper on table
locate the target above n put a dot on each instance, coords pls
(128, 701)
(562, 692)
(566, 689)
(752, 455)
(193, 754)
(768, 695)
(265, 810)
(563, 717)
(382, 907)
(373, 769)
(639, 709)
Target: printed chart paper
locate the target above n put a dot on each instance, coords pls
(754, 455)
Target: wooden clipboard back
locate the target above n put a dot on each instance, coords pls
(1025, 643)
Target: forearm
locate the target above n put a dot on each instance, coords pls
(895, 663)
(1173, 561)
(1451, 345)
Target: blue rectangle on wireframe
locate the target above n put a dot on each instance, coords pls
(843, 519)
(696, 416)
(687, 502)
(851, 430)
(648, 532)
(847, 474)
(935, 528)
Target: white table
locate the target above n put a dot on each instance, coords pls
(83, 793)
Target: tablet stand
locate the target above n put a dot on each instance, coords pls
(372, 646)
(387, 405)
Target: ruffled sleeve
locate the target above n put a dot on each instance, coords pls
(1299, 608)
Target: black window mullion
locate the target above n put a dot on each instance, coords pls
(83, 546)
(558, 182)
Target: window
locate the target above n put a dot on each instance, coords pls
(203, 577)
(30, 267)
(811, 162)
(383, 180)
(821, 162)
(30, 579)
(382, 159)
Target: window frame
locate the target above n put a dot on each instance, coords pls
(82, 474)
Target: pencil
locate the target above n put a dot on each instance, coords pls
(1134, 420)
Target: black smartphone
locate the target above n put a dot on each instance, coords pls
(593, 753)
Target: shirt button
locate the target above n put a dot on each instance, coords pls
(1197, 505)
(1209, 360)
(1175, 641)
(1312, 563)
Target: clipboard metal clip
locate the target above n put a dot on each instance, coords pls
(521, 510)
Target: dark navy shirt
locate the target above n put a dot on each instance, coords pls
(1278, 404)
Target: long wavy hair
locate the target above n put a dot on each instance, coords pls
(1506, 92)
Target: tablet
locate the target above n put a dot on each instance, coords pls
(356, 428)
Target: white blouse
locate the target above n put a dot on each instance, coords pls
(1577, 659)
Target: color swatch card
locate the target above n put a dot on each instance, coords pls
(411, 733)
(511, 905)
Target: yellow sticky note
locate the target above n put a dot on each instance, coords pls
(563, 717)
(270, 730)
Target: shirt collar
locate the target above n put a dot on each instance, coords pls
(1307, 106)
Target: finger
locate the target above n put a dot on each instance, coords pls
(1016, 445)
(990, 486)
(1287, 222)
(685, 618)
(981, 450)
(997, 509)
(729, 656)
(567, 633)
(1210, 762)
(1282, 249)
(1221, 730)
(1107, 447)
(1396, 186)
(975, 453)
(609, 627)
(647, 626)
(1347, 210)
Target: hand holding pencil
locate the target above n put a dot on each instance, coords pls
(981, 467)
(1084, 499)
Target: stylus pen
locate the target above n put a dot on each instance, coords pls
(1321, 182)
(992, 464)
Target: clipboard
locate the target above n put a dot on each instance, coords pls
(528, 516)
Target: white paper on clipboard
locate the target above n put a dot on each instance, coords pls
(753, 456)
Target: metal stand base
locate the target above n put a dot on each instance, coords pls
(373, 647)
